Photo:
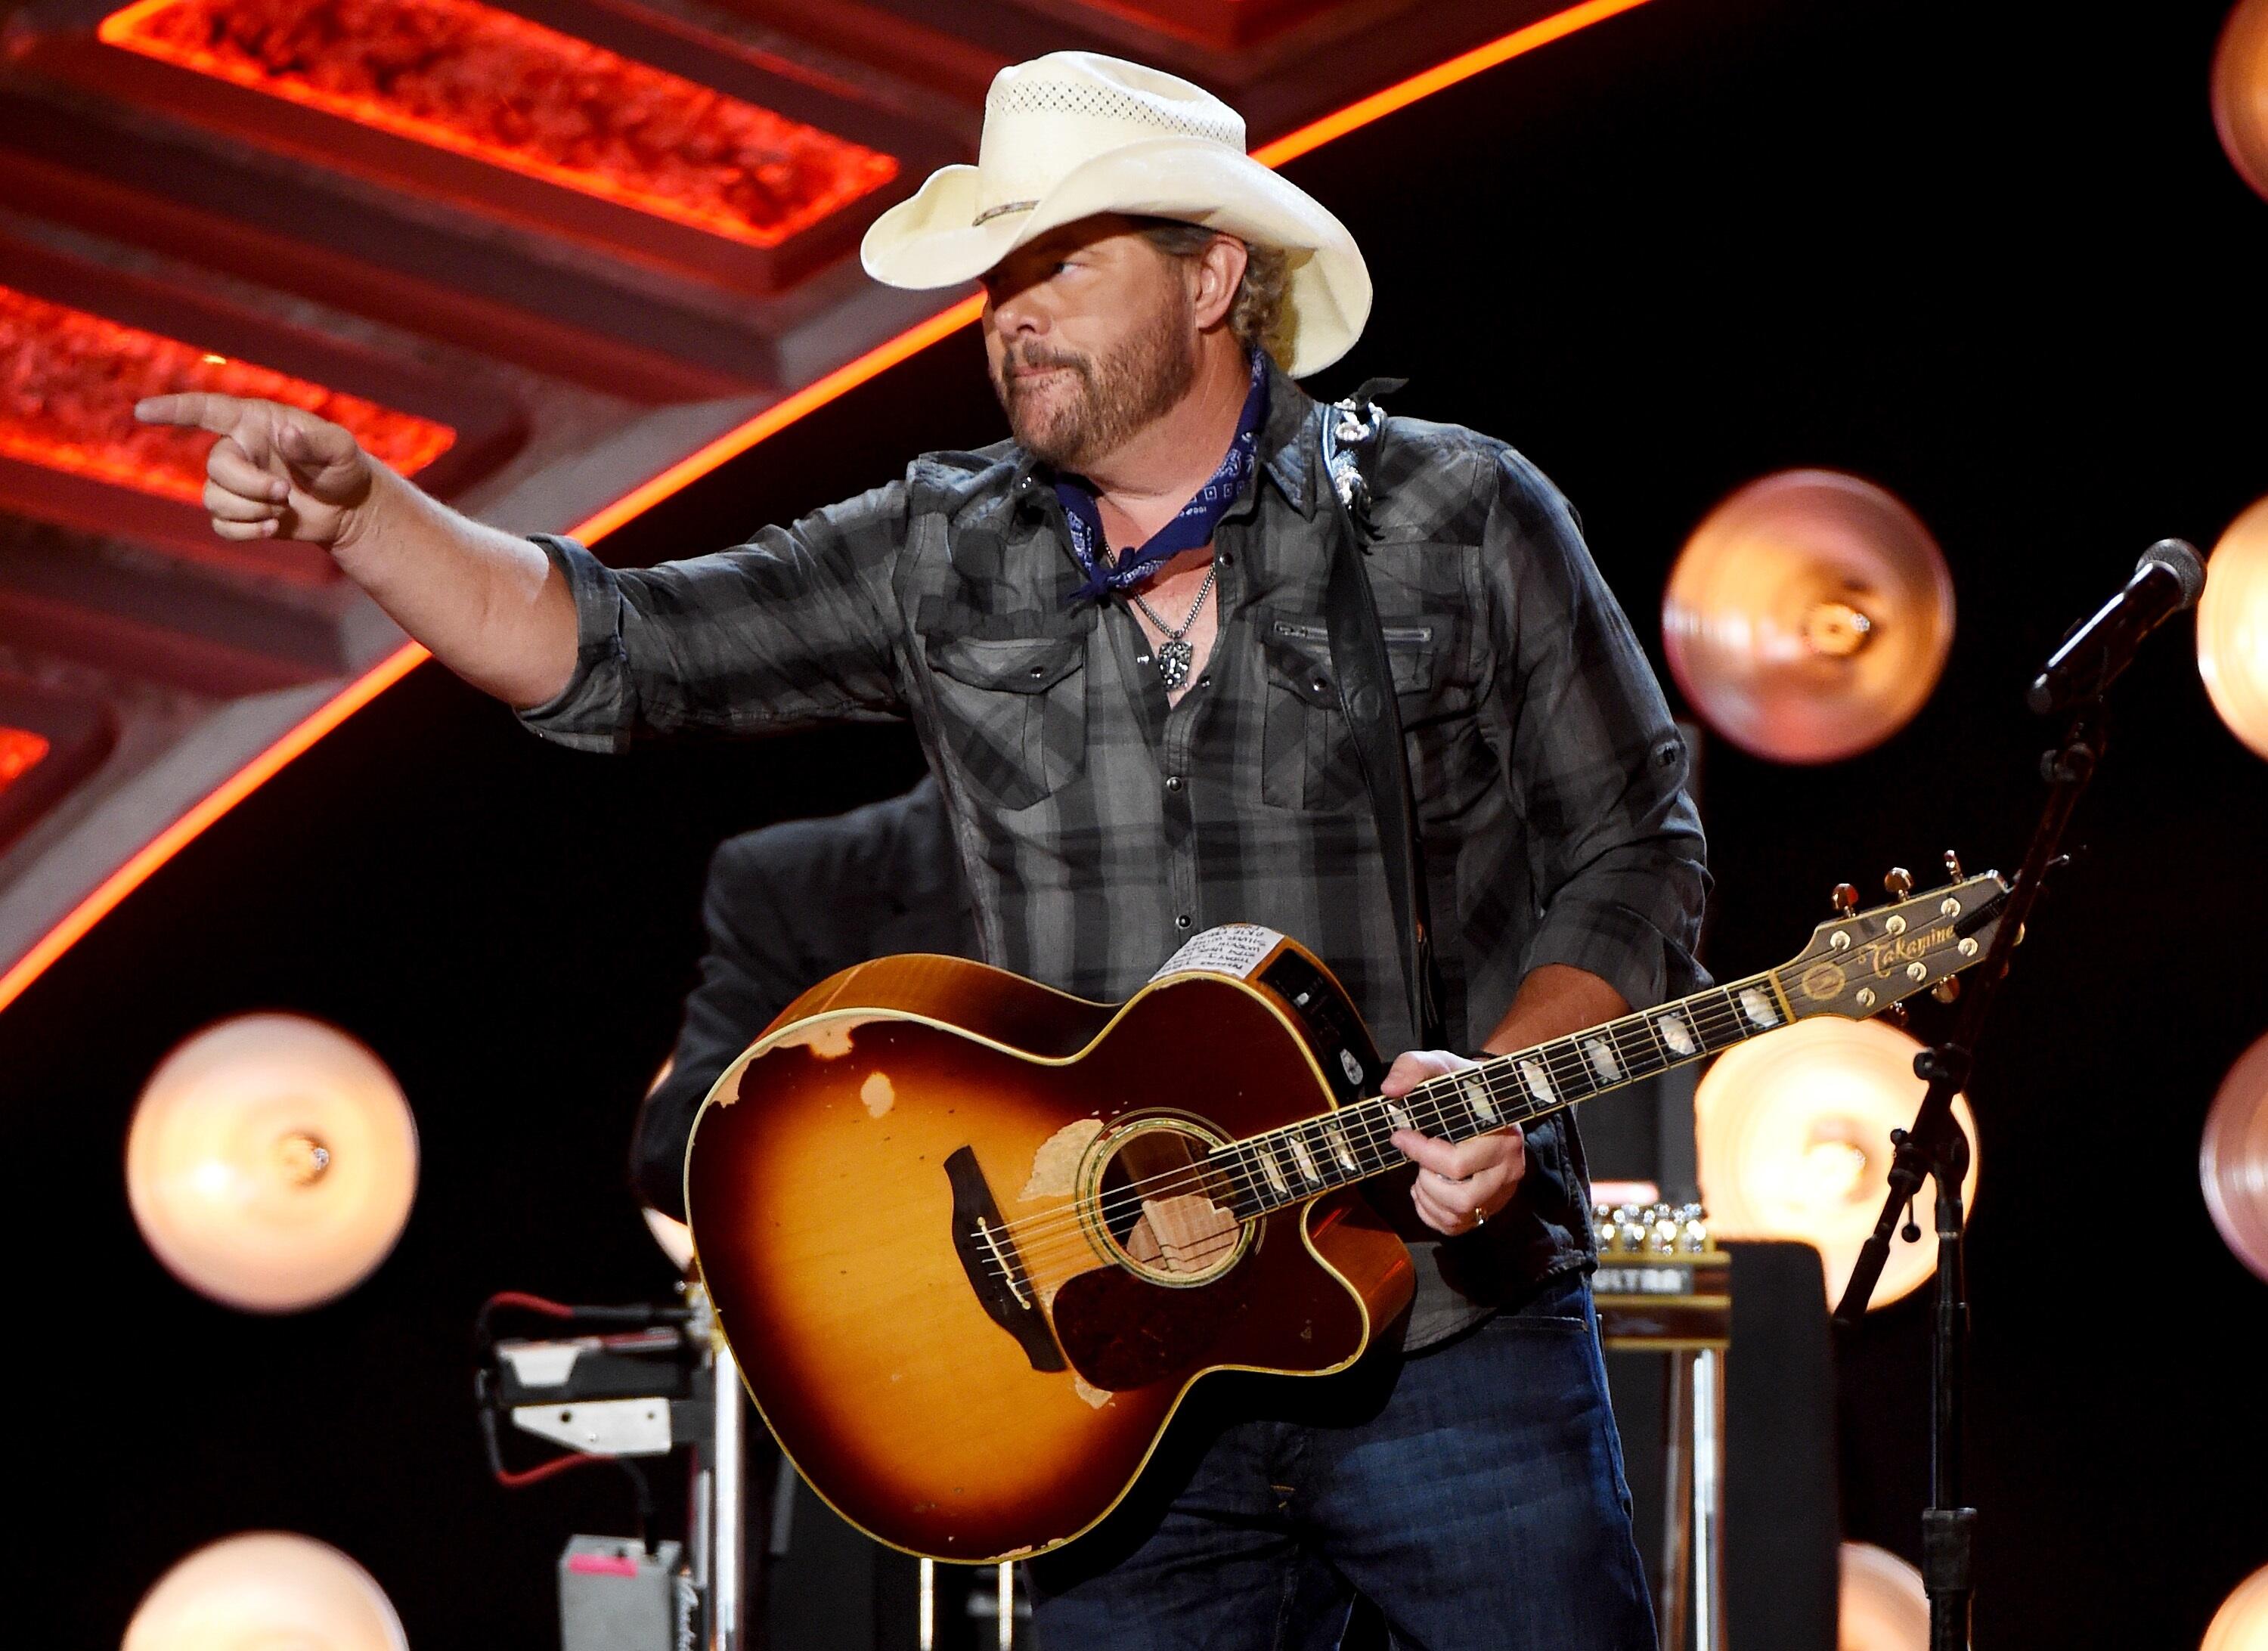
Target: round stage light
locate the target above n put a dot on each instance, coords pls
(271, 1162)
(1809, 617)
(262, 1590)
(1793, 1135)
(1884, 1607)
(2232, 634)
(2240, 91)
(2242, 1622)
(2232, 1158)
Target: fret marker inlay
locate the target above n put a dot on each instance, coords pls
(1339, 1148)
(1676, 1033)
(1538, 1085)
(1306, 1160)
(1275, 1175)
(1401, 1119)
(1603, 1061)
(1476, 1096)
(1758, 1008)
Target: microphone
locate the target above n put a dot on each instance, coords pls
(2169, 577)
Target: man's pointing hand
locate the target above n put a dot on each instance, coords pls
(277, 472)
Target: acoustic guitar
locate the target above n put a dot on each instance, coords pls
(973, 1239)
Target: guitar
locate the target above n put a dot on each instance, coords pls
(975, 1238)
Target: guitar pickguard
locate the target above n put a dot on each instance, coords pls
(1121, 1331)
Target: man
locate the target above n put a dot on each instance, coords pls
(1136, 746)
(785, 907)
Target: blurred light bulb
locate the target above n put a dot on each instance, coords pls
(2232, 1158)
(2242, 1622)
(271, 1162)
(1793, 1132)
(1884, 1606)
(2232, 634)
(1809, 617)
(2240, 91)
(266, 1590)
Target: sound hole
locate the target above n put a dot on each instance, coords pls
(1170, 1214)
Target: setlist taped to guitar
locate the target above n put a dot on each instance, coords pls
(1233, 948)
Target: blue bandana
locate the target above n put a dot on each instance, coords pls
(1188, 530)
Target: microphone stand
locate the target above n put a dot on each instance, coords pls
(1935, 1149)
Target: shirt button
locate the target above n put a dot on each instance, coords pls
(1038, 670)
(1205, 681)
(1182, 922)
(1172, 782)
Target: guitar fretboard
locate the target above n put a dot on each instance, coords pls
(1293, 1163)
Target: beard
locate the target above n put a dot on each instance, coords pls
(1070, 421)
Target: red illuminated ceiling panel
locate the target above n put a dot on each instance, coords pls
(490, 85)
(19, 749)
(68, 381)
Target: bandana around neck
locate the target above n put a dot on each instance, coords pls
(1192, 527)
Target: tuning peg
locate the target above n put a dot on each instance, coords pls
(1947, 990)
(1953, 864)
(1895, 1014)
(1899, 883)
(1845, 899)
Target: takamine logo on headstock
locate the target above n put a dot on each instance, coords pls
(1862, 961)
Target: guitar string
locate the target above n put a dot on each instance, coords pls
(1710, 1013)
(1720, 1011)
(1717, 1007)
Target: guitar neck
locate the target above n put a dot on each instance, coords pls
(1290, 1165)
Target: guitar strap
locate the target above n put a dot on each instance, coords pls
(1352, 432)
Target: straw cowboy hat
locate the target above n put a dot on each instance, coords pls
(1073, 134)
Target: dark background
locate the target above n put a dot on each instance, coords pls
(1989, 256)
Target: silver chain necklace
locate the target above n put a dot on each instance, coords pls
(1174, 653)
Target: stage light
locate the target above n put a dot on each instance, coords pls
(262, 1590)
(2240, 91)
(271, 1162)
(89, 372)
(2242, 1622)
(1793, 1133)
(2232, 1158)
(21, 749)
(480, 81)
(1809, 617)
(2232, 634)
(1884, 1606)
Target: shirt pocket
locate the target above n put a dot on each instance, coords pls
(1014, 712)
(1308, 756)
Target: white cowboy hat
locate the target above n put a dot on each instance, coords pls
(1073, 134)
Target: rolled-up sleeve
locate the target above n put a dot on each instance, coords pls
(793, 628)
(1615, 849)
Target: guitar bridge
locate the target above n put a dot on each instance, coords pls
(989, 1260)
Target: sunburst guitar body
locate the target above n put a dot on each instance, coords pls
(919, 1206)
(971, 1240)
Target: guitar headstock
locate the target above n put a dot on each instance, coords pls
(1859, 963)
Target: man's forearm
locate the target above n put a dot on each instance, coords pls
(1554, 1000)
(491, 607)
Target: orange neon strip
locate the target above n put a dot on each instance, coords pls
(683, 474)
(479, 81)
(81, 374)
(1401, 95)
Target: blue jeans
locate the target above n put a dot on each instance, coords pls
(1473, 1492)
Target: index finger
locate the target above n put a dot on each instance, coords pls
(199, 409)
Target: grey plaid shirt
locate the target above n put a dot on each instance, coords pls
(1099, 827)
